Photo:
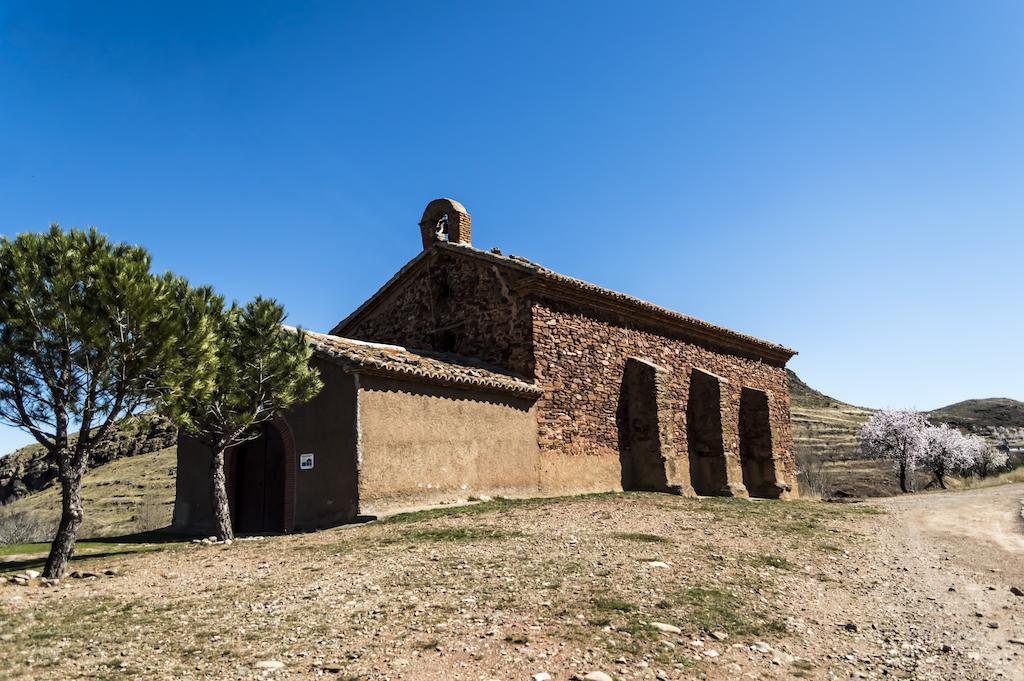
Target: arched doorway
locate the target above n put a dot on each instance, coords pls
(259, 481)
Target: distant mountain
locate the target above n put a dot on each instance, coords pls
(975, 415)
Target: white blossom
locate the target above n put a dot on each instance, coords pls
(947, 451)
(985, 458)
(897, 435)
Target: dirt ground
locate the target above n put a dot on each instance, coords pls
(912, 587)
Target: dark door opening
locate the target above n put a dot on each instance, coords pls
(259, 477)
(704, 435)
(756, 445)
(640, 445)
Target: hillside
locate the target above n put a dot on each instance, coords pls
(30, 470)
(825, 426)
(822, 425)
(127, 495)
(995, 412)
(825, 438)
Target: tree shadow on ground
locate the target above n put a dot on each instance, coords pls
(32, 556)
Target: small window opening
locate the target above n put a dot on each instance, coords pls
(441, 228)
(446, 341)
(444, 289)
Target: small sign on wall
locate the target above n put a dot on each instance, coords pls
(305, 462)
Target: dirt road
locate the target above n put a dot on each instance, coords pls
(954, 558)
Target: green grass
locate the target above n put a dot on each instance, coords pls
(496, 505)
(611, 603)
(642, 538)
(82, 547)
(769, 560)
(801, 518)
(712, 609)
(452, 534)
(30, 556)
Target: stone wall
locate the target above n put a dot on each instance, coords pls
(464, 303)
(454, 303)
(580, 360)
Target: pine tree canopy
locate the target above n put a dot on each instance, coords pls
(262, 368)
(88, 333)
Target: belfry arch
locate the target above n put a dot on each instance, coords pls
(445, 220)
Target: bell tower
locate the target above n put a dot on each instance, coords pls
(445, 220)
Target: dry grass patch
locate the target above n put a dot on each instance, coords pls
(127, 495)
(494, 585)
(452, 534)
(642, 537)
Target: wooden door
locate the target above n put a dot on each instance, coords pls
(259, 471)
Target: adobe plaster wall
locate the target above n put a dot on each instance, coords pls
(423, 445)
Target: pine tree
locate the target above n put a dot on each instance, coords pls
(88, 335)
(261, 369)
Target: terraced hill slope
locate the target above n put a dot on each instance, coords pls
(123, 496)
(825, 437)
(823, 426)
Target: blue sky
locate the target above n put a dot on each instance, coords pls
(846, 178)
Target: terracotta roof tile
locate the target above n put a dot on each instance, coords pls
(424, 365)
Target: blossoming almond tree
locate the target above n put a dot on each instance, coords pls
(986, 459)
(948, 451)
(897, 435)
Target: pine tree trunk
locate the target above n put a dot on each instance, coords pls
(219, 498)
(71, 516)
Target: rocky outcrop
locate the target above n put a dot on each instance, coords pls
(31, 469)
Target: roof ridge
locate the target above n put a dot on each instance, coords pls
(705, 330)
(523, 263)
